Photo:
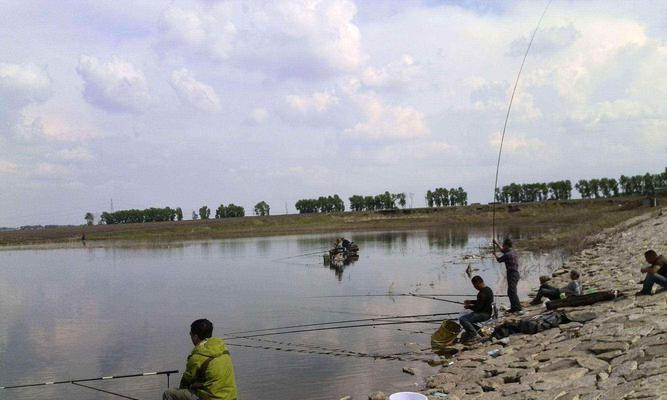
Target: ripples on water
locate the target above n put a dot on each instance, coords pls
(73, 313)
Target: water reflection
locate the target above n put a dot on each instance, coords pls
(87, 312)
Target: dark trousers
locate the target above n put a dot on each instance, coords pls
(547, 291)
(652, 279)
(468, 320)
(512, 282)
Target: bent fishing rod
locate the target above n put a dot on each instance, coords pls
(349, 321)
(507, 116)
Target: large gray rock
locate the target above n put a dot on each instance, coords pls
(593, 364)
(606, 347)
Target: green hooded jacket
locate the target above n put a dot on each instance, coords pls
(216, 375)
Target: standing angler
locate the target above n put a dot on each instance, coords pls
(511, 260)
(209, 373)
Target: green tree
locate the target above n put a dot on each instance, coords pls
(179, 214)
(204, 212)
(220, 212)
(90, 218)
(262, 208)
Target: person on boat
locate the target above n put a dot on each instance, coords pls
(552, 293)
(511, 260)
(482, 309)
(209, 373)
(346, 243)
(338, 247)
(656, 272)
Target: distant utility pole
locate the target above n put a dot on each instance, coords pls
(412, 196)
(112, 205)
(286, 211)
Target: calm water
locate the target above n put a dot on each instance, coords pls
(77, 313)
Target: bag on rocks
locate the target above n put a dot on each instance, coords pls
(540, 323)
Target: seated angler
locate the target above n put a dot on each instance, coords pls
(209, 373)
(482, 309)
(656, 272)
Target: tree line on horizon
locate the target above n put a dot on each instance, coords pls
(595, 188)
(441, 197)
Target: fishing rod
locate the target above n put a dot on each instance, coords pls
(399, 295)
(436, 298)
(424, 321)
(507, 116)
(105, 391)
(302, 255)
(102, 378)
(349, 321)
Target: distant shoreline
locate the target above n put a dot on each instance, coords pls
(568, 221)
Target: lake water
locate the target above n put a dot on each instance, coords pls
(88, 312)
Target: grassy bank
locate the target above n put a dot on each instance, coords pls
(567, 222)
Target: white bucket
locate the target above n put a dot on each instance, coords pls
(407, 396)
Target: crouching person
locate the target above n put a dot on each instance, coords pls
(482, 308)
(656, 272)
(209, 373)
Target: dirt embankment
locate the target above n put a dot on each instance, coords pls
(619, 353)
(567, 222)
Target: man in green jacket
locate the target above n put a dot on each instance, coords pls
(209, 373)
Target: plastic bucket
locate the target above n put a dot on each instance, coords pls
(407, 396)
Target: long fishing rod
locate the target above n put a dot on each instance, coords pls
(302, 255)
(421, 296)
(102, 378)
(507, 116)
(424, 321)
(105, 391)
(349, 321)
(399, 295)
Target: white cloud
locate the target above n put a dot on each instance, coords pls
(387, 121)
(515, 144)
(398, 73)
(316, 102)
(302, 38)
(22, 84)
(194, 92)
(548, 40)
(78, 153)
(116, 86)
(611, 111)
(259, 115)
(407, 152)
(8, 168)
(50, 170)
(209, 32)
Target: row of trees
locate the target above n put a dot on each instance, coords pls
(625, 186)
(383, 201)
(323, 204)
(229, 211)
(529, 192)
(138, 216)
(441, 197)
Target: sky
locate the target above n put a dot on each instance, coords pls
(202, 102)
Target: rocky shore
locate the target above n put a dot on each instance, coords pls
(620, 352)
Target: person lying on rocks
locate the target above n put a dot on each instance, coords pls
(656, 272)
(552, 293)
(482, 308)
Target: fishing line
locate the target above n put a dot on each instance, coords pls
(425, 321)
(507, 116)
(104, 391)
(338, 322)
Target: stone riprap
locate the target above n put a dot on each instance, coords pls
(620, 352)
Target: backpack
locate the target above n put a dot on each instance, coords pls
(540, 323)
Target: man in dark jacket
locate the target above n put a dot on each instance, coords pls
(209, 373)
(482, 309)
(656, 272)
(511, 260)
